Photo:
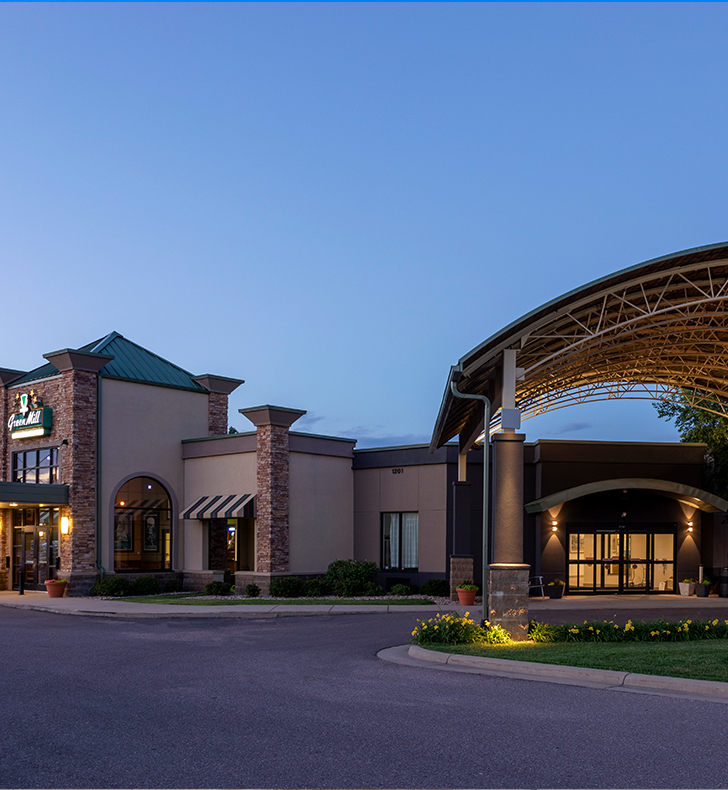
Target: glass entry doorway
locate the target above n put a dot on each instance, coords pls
(621, 560)
(35, 546)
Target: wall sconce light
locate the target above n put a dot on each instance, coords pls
(690, 526)
(64, 525)
(554, 526)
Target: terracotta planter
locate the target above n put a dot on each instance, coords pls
(55, 589)
(466, 597)
(555, 590)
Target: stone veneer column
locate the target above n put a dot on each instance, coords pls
(461, 572)
(76, 410)
(271, 497)
(219, 388)
(508, 583)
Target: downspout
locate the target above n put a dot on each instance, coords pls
(98, 476)
(486, 484)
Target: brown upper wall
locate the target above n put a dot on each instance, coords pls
(566, 464)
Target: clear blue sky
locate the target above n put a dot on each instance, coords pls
(336, 202)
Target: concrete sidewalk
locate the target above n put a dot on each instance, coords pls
(96, 607)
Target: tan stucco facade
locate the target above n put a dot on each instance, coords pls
(421, 489)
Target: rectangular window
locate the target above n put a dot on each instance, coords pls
(400, 541)
(36, 466)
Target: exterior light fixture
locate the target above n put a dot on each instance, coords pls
(64, 525)
(41, 534)
(554, 526)
(690, 526)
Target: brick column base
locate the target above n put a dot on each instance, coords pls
(461, 571)
(79, 583)
(508, 598)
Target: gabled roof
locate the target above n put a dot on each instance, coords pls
(130, 362)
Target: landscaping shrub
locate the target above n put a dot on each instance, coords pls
(173, 585)
(451, 629)
(437, 588)
(350, 577)
(286, 587)
(217, 588)
(315, 588)
(145, 585)
(374, 590)
(115, 586)
(651, 631)
(401, 589)
(252, 590)
(543, 632)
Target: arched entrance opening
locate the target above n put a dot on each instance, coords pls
(142, 526)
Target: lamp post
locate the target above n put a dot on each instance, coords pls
(486, 483)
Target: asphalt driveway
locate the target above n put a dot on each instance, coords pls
(304, 702)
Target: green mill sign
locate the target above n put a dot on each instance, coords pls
(32, 418)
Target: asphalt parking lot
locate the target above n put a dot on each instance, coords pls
(304, 702)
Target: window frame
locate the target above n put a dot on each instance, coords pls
(34, 471)
(400, 543)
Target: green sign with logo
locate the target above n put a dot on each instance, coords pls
(32, 417)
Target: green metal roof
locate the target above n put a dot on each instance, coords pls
(131, 362)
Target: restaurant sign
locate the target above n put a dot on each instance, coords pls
(32, 418)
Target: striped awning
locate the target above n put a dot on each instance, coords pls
(221, 506)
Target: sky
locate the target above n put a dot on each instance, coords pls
(335, 202)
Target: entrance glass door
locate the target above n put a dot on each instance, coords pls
(621, 561)
(35, 547)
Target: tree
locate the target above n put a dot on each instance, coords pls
(697, 425)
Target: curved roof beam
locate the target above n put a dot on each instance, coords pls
(695, 497)
(645, 332)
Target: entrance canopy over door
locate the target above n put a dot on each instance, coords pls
(221, 506)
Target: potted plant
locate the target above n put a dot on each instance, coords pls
(556, 588)
(687, 587)
(466, 593)
(702, 589)
(56, 587)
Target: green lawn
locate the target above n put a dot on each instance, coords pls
(704, 660)
(184, 600)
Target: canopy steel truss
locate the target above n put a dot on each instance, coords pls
(648, 332)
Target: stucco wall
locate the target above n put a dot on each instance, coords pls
(321, 524)
(141, 430)
(209, 476)
(421, 489)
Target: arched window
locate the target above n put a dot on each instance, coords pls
(142, 526)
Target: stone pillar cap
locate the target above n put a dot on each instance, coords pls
(8, 375)
(219, 384)
(272, 415)
(73, 359)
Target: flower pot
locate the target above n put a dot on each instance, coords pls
(466, 597)
(686, 589)
(555, 590)
(702, 590)
(55, 589)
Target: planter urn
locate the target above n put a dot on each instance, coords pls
(55, 589)
(466, 597)
(555, 590)
(686, 588)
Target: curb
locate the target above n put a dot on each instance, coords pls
(714, 690)
(239, 612)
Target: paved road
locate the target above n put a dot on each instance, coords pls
(304, 702)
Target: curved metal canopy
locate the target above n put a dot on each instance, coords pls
(689, 495)
(645, 332)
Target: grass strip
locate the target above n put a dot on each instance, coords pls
(701, 660)
(184, 601)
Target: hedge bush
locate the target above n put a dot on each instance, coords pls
(145, 585)
(401, 589)
(438, 588)
(315, 588)
(112, 586)
(217, 588)
(252, 590)
(287, 587)
(350, 577)
(173, 585)
(374, 590)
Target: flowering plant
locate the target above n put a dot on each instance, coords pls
(557, 583)
(56, 581)
(451, 629)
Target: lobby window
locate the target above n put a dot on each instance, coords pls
(36, 466)
(400, 541)
(142, 526)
